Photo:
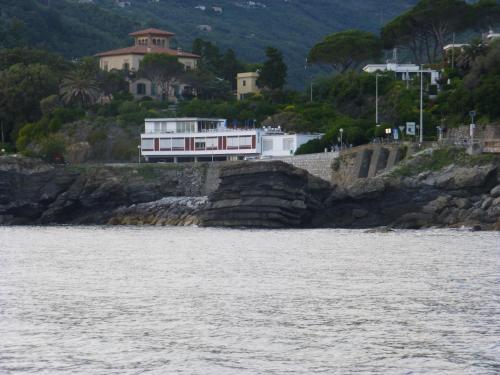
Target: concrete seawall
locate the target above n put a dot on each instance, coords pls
(366, 161)
(350, 164)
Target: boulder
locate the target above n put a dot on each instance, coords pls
(495, 192)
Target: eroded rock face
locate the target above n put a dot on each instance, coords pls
(33, 192)
(176, 211)
(453, 197)
(265, 195)
(269, 195)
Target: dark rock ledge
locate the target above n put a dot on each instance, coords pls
(264, 195)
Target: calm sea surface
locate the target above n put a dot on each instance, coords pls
(94, 300)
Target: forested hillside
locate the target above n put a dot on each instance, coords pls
(77, 28)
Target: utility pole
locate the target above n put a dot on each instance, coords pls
(3, 136)
(421, 105)
(453, 53)
(311, 78)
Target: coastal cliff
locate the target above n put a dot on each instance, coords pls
(414, 195)
(270, 195)
(33, 192)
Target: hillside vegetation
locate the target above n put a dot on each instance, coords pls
(76, 30)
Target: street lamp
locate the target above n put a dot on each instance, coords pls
(341, 133)
(422, 71)
(376, 99)
(472, 115)
(139, 148)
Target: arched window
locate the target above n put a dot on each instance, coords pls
(141, 89)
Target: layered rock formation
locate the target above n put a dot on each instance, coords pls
(261, 194)
(175, 211)
(269, 195)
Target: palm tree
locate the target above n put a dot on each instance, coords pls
(79, 89)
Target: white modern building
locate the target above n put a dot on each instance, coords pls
(405, 72)
(205, 139)
(276, 143)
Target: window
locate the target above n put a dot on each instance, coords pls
(126, 66)
(267, 144)
(166, 144)
(211, 143)
(186, 127)
(178, 144)
(232, 142)
(148, 144)
(153, 90)
(105, 66)
(199, 143)
(141, 89)
(288, 144)
(245, 142)
(244, 83)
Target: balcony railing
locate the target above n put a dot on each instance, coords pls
(203, 131)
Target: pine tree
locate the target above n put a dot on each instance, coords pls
(274, 71)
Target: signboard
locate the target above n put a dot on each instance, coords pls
(472, 127)
(395, 134)
(410, 128)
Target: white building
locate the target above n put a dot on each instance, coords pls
(491, 36)
(405, 72)
(205, 139)
(276, 143)
(455, 46)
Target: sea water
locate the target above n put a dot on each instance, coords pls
(125, 300)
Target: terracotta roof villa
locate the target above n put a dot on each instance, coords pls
(149, 41)
(142, 50)
(152, 32)
(129, 59)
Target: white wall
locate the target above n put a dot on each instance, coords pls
(284, 144)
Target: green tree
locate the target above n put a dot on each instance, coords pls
(346, 50)
(210, 56)
(428, 27)
(162, 70)
(208, 86)
(274, 70)
(22, 87)
(80, 89)
(112, 83)
(230, 67)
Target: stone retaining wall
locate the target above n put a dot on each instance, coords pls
(319, 165)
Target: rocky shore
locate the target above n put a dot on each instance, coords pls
(265, 195)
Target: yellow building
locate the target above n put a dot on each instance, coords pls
(247, 84)
(129, 58)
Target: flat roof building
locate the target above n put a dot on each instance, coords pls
(247, 84)
(208, 139)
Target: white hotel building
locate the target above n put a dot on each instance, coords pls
(205, 139)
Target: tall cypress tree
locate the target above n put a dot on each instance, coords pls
(274, 71)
